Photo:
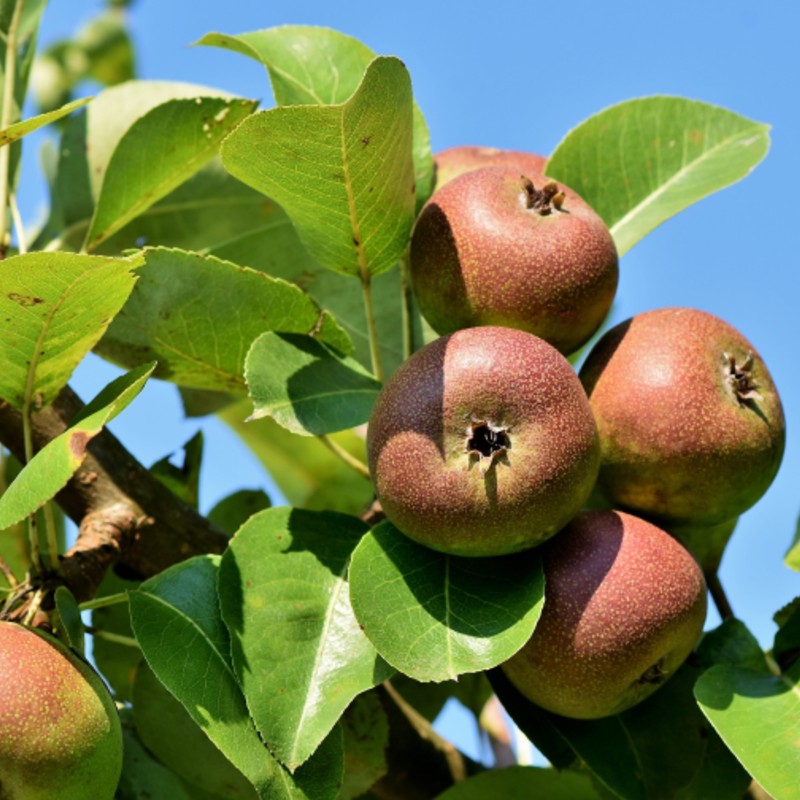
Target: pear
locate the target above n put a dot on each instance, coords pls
(691, 424)
(624, 606)
(455, 161)
(60, 735)
(482, 443)
(495, 246)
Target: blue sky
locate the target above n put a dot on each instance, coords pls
(520, 75)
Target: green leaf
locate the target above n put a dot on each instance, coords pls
(523, 783)
(117, 660)
(230, 513)
(786, 649)
(642, 161)
(366, 735)
(168, 731)
(183, 481)
(731, 643)
(308, 388)
(55, 306)
(434, 616)
(349, 189)
(298, 651)
(26, 126)
(176, 620)
(159, 152)
(67, 622)
(200, 339)
(792, 557)
(50, 469)
(321, 66)
(309, 475)
(758, 716)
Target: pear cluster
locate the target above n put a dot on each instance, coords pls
(486, 442)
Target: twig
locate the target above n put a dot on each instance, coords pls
(405, 300)
(718, 596)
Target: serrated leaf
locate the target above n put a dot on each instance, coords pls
(434, 616)
(161, 150)
(349, 189)
(309, 475)
(321, 66)
(55, 307)
(50, 469)
(177, 623)
(758, 717)
(168, 731)
(307, 387)
(19, 129)
(298, 651)
(642, 161)
(523, 783)
(366, 735)
(201, 338)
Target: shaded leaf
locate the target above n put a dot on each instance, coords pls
(523, 783)
(298, 651)
(434, 616)
(67, 622)
(200, 339)
(786, 649)
(792, 557)
(157, 153)
(26, 126)
(366, 735)
(308, 388)
(50, 469)
(230, 513)
(758, 716)
(55, 307)
(168, 731)
(642, 161)
(350, 190)
(731, 643)
(176, 620)
(183, 481)
(307, 473)
(321, 66)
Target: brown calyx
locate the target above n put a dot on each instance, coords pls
(486, 443)
(543, 200)
(741, 378)
(654, 674)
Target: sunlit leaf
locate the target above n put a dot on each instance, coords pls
(26, 126)
(640, 162)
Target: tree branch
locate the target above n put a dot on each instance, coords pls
(125, 516)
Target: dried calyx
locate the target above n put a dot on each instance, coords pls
(741, 378)
(542, 200)
(486, 443)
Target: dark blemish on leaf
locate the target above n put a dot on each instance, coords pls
(248, 584)
(25, 300)
(356, 242)
(371, 188)
(338, 176)
(78, 442)
(696, 136)
(365, 140)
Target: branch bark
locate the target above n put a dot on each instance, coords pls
(125, 516)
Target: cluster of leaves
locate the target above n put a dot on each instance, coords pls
(255, 259)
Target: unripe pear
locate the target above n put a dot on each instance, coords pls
(482, 443)
(455, 161)
(690, 421)
(624, 606)
(60, 735)
(497, 247)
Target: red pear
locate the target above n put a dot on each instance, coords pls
(482, 443)
(455, 161)
(624, 606)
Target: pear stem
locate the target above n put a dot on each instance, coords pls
(718, 596)
(116, 638)
(405, 299)
(103, 602)
(354, 463)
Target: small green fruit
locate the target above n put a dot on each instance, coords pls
(624, 606)
(690, 422)
(494, 247)
(455, 161)
(60, 735)
(482, 443)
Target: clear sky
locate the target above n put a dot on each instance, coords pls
(520, 75)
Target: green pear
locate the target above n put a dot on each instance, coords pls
(624, 606)
(60, 735)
